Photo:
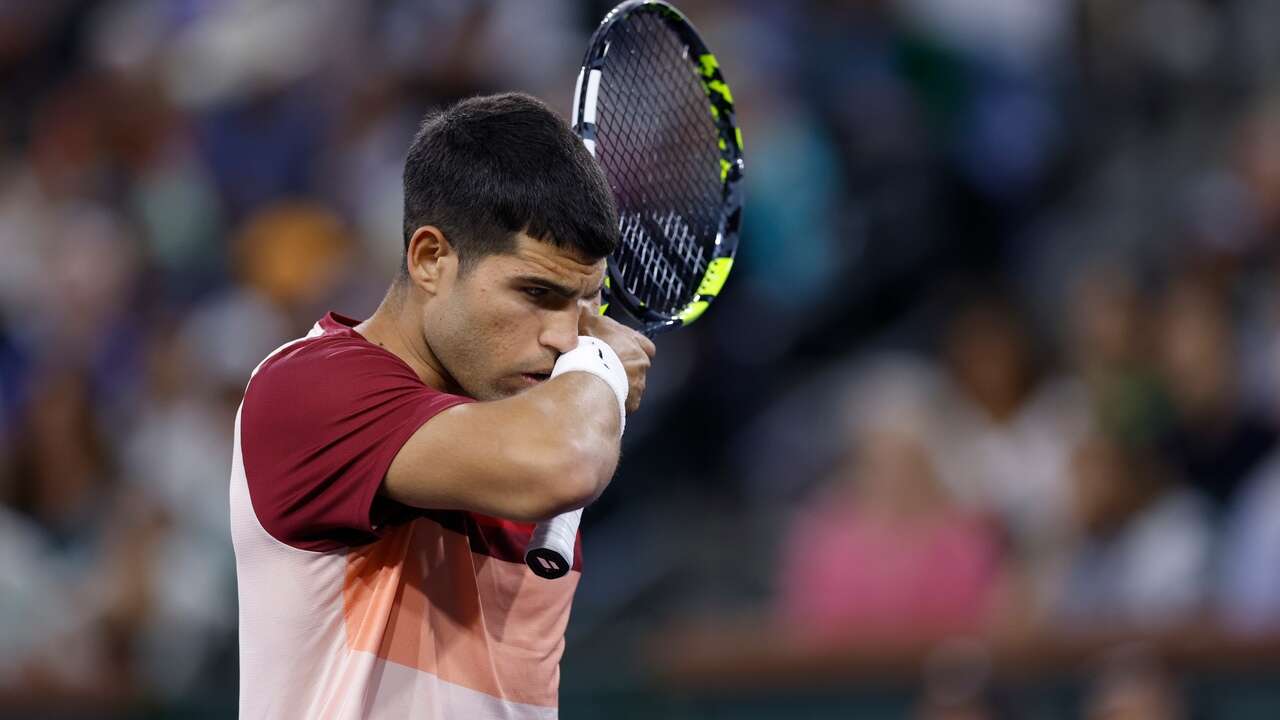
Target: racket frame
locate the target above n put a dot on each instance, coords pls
(729, 142)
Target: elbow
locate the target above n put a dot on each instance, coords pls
(572, 477)
(569, 485)
(566, 465)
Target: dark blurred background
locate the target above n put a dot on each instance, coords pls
(983, 425)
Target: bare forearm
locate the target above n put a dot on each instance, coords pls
(550, 449)
(575, 418)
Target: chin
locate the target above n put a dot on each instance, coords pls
(491, 394)
(499, 391)
(504, 387)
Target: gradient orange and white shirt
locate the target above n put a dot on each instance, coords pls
(352, 605)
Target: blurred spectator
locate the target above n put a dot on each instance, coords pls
(292, 255)
(1257, 162)
(1142, 544)
(177, 460)
(1249, 579)
(1216, 439)
(1112, 347)
(1009, 426)
(1249, 589)
(882, 550)
(65, 624)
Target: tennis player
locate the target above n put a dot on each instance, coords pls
(387, 473)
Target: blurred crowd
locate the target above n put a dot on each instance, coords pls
(184, 186)
(1134, 484)
(1004, 337)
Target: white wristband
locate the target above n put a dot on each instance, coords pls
(596, 357)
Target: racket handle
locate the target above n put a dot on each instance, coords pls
(550, 550)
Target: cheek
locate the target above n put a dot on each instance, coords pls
(501, 337)
(508, 326)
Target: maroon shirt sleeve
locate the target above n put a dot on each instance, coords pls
(320, 424)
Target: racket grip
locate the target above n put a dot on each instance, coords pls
(550, 550)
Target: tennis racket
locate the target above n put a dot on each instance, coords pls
(653, 107)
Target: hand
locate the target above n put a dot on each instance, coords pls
(634, 349)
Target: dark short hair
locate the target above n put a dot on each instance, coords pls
(489, 167)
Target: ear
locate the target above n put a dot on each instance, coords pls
(430, 258)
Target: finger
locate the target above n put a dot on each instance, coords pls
(647, 345)
(637, 394)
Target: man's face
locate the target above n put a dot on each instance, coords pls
(499, 326)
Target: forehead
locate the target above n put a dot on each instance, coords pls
(564, 266)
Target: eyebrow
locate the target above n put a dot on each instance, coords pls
(555, 287)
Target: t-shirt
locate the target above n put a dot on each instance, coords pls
(353, 605)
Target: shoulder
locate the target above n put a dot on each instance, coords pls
(331, 364)
(335, 382)
(321, 421)
(325, 355)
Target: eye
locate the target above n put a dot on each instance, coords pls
(535, 292)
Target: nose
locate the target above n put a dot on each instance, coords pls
(560, 330)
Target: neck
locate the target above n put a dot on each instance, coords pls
(395, 326)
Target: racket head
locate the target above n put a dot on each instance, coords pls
(653, 107)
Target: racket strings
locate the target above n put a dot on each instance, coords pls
(657, 143)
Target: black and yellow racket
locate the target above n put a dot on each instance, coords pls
(652, 105)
